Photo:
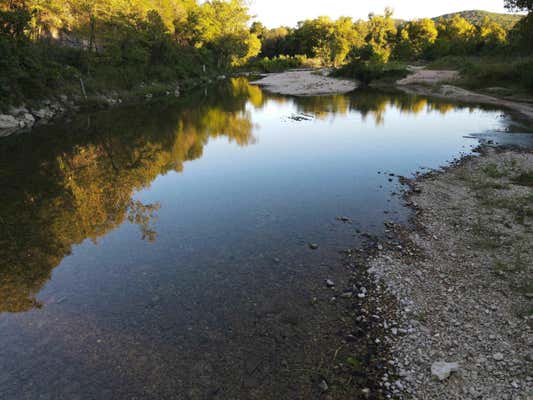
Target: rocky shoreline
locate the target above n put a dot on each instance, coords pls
(461, 277)
(22, 118)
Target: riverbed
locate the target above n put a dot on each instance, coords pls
(185, 249)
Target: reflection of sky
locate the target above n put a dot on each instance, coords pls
(293, 182)
(124, 304)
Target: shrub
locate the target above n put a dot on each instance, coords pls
(283, 63)
(480, 73)
(367, 72)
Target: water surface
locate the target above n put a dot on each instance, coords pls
(163, 251)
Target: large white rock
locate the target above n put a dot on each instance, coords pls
(443, 370)
(8, 121)
(44, 113)
(28, 120)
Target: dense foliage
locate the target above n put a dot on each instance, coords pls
(520, 5)
(381, 38)
(371, 49)
(47, 43)
(50, 44)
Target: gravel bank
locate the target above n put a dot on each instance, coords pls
(463, 280)
(305, 83)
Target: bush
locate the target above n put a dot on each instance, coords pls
(367, 72)
(283, 63)
(483, 72)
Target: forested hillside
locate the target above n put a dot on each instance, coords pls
(476, 17)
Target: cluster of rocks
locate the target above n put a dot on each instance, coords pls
(465, 331)
(24, 118)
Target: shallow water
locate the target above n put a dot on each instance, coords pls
(163, 251)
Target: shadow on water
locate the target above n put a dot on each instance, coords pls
(72, 182)
(214, 331)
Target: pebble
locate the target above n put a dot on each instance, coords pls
(323, 386)
(443, 370)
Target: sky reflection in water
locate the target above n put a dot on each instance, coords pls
(144, 250)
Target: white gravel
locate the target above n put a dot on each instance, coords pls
(305, 83)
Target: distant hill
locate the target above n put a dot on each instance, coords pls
(477, 16)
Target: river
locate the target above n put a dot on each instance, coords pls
(179, 249)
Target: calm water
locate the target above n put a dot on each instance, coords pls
(162, 252)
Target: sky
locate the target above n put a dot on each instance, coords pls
(275, 13)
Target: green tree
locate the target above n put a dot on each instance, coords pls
(522, 34)
(258, 29)
(222, 27)
(343, 38)
(313, 36)
(416, 38)
(15, 22)
(492, 35)
(276, 42)
(380, 37)
(457, 36)
(519, 5)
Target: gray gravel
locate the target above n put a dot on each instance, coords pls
(462, 279)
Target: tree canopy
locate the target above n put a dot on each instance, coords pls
(519, 5)
(120, 43)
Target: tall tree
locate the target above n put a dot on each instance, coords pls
(417, 37)
(223, 27)
(457, 36)
(381, 35)
(491, 34)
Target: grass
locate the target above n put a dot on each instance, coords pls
(524, 179)
(518, 206)
(492, 171)
(513, 73)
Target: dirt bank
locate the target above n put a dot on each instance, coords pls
(305, 83)
(462, 277)
(439, 84)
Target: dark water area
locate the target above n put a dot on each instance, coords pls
(162, 251)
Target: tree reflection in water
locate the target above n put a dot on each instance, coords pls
(67, 183)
